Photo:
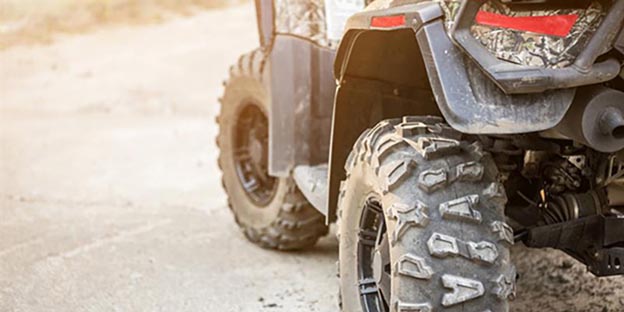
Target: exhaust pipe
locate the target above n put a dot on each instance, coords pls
(596, 119)
(612, 123)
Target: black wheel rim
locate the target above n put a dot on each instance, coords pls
(373, 253)
(251, 136)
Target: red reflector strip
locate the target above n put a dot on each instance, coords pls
(554, 25)
(388, 21)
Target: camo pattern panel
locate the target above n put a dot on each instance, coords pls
(532, 49)
(304, 18)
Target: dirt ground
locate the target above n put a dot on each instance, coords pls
(110, 197)
(24, 22)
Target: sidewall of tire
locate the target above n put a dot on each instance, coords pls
(356, 193)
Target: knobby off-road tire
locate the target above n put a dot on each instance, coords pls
(443, 209)
(285, 221)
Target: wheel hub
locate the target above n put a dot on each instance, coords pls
(374, 259)
(256, 149)
(378, 267)
(250, 155)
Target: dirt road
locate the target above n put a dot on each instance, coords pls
(110, 197)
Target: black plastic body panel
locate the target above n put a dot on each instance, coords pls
(472, 103)
(302, 94)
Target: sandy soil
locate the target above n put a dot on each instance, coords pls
(110, 197)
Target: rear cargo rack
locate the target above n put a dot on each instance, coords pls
(514, 79)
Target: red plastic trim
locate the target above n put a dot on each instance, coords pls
(554, 25)
(388, 21)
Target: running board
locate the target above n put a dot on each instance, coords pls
(312, 182)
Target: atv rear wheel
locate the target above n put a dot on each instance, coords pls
(421, 223)
(270, 211)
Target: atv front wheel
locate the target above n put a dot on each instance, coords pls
(270, 211)
(421, 223)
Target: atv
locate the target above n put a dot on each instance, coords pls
(436, 134)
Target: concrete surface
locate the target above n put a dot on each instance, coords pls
(110, 197)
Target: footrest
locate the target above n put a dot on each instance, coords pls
(312, 182)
